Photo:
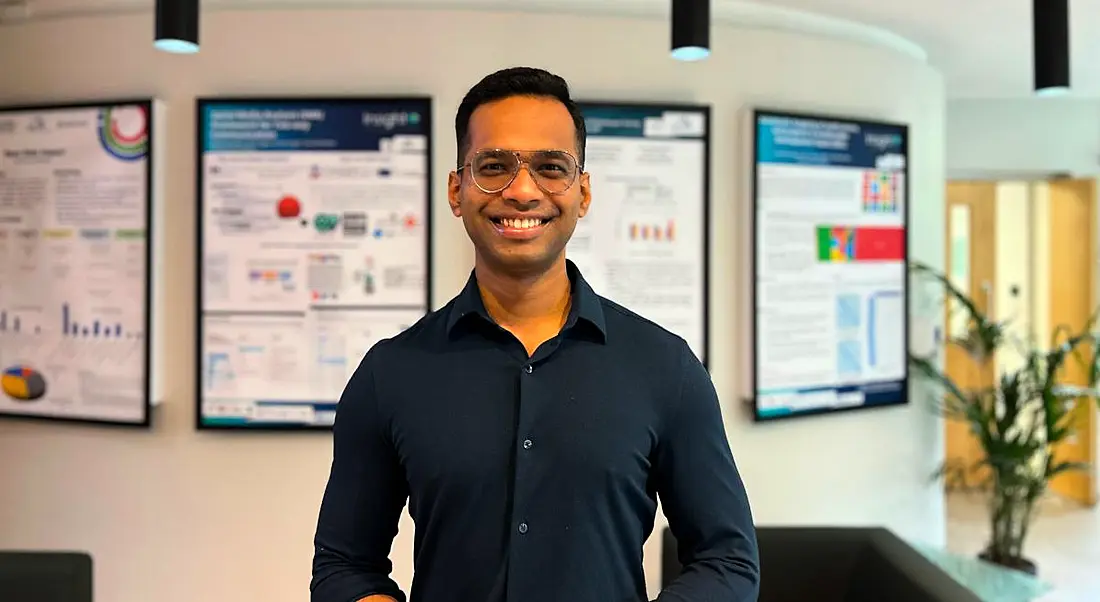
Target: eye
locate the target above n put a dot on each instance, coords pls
(552, 169)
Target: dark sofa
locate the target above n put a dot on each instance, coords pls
(45, 576)
(838, 564)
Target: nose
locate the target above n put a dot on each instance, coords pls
(523, 188)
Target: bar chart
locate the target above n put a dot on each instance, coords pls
(18, 322)
(95, 328)
(655, 232)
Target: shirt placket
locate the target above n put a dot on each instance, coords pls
(525, 526)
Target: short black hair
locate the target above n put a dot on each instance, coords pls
(517, 81)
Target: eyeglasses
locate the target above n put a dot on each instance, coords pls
(493, 170)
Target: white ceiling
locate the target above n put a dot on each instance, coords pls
(983, 47)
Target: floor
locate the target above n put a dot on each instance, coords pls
(1065, 543)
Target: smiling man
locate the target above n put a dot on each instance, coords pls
(530, 424)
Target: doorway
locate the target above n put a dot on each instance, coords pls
(1025, 253)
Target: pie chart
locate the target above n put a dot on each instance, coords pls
(22, 383)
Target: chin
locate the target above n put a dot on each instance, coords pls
(520, 261)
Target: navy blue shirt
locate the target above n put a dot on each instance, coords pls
(532, 479)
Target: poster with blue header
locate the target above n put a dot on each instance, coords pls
(829, 280)
(314, 239)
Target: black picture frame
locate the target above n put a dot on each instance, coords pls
(426, 106)
(706, 111)
(149, 105)
(903, 397)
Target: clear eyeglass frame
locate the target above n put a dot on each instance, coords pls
(521, 163)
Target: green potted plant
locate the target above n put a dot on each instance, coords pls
(1018, 422)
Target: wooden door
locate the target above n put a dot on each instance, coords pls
(971, 264)
(1071, 266)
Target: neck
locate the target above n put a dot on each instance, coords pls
(527, 299)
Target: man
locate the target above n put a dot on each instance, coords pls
(531, 424)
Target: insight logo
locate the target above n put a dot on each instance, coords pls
(882, 141)
(391, 120)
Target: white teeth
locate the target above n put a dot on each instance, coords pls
(520, 224)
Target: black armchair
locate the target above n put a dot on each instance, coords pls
(837, 564)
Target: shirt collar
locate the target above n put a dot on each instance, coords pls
(586, 305)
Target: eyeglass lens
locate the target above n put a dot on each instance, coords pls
(494, 170)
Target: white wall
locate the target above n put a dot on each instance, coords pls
(176, 516)
(1023, 138)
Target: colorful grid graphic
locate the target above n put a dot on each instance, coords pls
(845, 244)
(880, 192)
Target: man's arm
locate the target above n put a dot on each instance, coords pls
(703, 497)
(362, 502)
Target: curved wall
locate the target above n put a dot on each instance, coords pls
(177, 516)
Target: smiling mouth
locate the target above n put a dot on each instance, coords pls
(526, 223)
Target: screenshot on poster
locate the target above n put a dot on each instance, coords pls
(830, 273)
(74, 262)
(314, 243)
(644, 241)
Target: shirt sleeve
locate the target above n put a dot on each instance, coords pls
(362, 502)
(704, 499)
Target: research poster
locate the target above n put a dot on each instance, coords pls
(74, 262)
(830, 264)
(644, 241)
(314, 247)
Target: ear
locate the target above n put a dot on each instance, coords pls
(586, 193)
(454, 188)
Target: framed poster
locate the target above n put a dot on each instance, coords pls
(75, 259)
(830, 324)
(314, 242)
(645, 241)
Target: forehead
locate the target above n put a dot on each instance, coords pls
(522, 123)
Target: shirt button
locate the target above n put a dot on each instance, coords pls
(528, 368)
(527, 444)
(522, 528)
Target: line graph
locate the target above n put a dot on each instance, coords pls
(885, 331)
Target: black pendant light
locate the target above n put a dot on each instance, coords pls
(177, 26)
(690, 29)
(1051, 46)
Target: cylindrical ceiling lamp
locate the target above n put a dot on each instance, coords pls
(690, 29)
(1050, 20)
(177, 26)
